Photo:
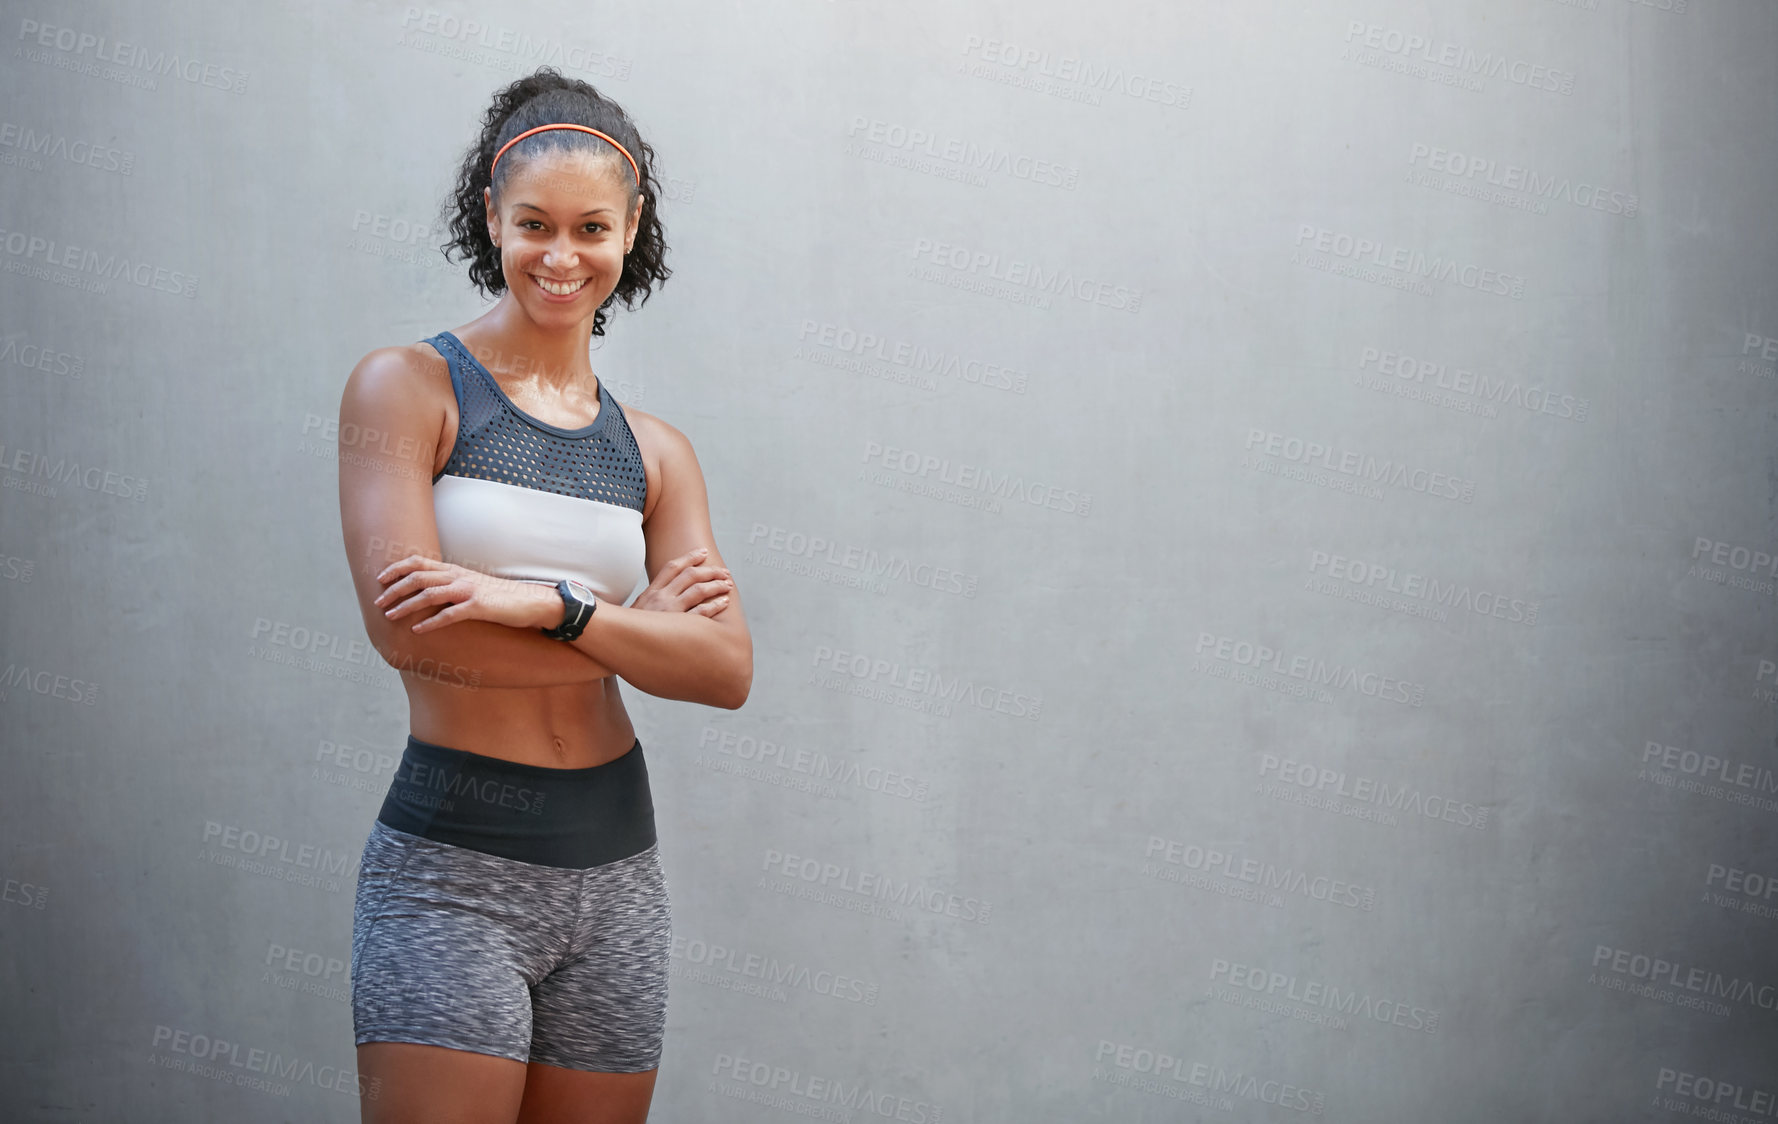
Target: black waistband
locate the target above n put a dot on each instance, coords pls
(574, 818)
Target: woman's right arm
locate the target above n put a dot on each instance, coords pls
(388, 440)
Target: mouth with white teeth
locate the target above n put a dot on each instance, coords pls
(558, 288)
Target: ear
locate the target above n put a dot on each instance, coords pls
(635, 222)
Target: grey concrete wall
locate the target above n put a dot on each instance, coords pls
(1257, 522)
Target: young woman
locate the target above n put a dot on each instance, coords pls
(511, 928)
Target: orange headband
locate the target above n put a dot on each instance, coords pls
(565, 125)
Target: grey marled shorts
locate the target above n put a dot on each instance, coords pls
(453, 946)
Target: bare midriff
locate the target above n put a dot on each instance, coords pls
(571, 726)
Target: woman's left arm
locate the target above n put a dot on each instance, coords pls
(687, 656)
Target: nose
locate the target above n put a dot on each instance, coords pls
(560, 253)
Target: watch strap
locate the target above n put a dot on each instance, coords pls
(575, 614)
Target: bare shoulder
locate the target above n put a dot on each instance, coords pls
(667, 455)
(413, 365)
(398, 400)
(409, 383)
(653, 431)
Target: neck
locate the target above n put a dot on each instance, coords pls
(508, 342)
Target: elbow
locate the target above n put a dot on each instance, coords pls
(391, 640)
(739, 684)
(397, 643)
(382, 641)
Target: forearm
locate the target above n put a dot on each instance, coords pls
(483, 653)
(684, 656)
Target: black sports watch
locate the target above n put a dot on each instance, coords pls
(578, 604)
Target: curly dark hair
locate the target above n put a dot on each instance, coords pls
(541, 98)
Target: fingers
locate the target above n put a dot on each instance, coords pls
(697, 575)
(407, 583)
(712, 607)
(399, 569)
(442, 588)
(682, 572)
(396, 569)
(684, 585)
(689, 560)
(714, 588)
(444, 616)
(692, 596)
(671, 569)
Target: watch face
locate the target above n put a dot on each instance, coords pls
(580, 590)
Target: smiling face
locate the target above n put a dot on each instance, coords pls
(563, 227)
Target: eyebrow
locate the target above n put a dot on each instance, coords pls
(583, 214)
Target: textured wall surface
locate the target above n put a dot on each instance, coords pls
(1257, 521)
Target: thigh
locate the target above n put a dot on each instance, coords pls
(604, 1008)
(446, 946)
(405, 1083)
(554, 1095)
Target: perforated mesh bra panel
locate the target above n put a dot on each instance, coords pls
(495, 443)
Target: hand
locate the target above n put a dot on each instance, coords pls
(684, 587)
(417, 582)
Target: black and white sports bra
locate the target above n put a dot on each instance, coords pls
(520, 498)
